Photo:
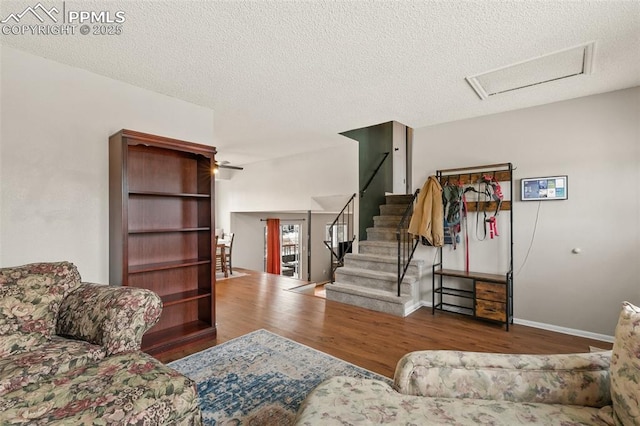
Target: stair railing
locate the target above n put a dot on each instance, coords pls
(375, 172)
(341, 236)
(406, 242)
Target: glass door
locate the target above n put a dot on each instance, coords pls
(290, 247)
(292, 260)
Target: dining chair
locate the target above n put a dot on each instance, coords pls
(228, 238)
(220, 262)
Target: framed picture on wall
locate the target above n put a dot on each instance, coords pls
(544, 188)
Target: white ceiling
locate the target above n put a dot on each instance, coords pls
(287, 77)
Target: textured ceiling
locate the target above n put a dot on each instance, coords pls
(287, 77)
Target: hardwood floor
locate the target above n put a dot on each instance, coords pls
(372, 340)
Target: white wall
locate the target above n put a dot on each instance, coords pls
(56, 121)
(248, 243)
(596, 142)
(289, 183)
(223, 220)
(399, 156)
(320, 254)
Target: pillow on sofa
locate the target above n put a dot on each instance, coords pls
(30, 296)
(625, 367)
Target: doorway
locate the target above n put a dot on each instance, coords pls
(292, 249)
(290, 257)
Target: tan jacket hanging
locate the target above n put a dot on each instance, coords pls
(427, 220)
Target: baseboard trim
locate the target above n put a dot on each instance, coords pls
(413, 308)
(551, 327)
(565, 330)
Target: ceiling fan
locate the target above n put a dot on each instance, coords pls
(225, 165)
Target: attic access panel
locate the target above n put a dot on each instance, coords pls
(566, 63)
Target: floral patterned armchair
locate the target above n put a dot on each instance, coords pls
(465, 388)
(69, 353)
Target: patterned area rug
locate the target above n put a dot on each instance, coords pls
(260, 378)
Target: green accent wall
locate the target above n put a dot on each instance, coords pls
(373, 142)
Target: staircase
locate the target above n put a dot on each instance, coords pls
(369, 279)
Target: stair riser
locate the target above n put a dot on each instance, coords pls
(380, 250)
(381, 234)
(390, 286)
(364, 302)
(379, 266)
(386, 221)
(392, 210)
(399, 199)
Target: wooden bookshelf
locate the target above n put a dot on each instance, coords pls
(161, 222)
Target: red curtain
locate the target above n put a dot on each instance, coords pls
(273, 246)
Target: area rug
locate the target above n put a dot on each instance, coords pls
(260, 378)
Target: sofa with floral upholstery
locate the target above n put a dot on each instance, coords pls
(464, 388)
(69, 353)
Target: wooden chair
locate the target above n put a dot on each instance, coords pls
(229, 251)
(221, 264)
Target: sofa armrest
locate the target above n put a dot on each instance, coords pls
(575, 379)
(113, 317)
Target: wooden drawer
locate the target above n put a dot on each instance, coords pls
(491, 291)
(490, 310)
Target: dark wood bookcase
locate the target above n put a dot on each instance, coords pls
(161, 231)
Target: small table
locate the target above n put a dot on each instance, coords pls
(223, 260)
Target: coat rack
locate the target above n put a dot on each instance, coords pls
(481, 295)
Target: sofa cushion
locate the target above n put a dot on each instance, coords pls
(130, 388)
(30, 296)
(11, 344)
(347, 400)
(54, 356)
(625, 367)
